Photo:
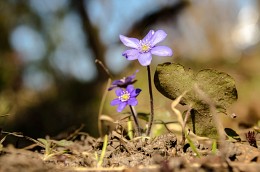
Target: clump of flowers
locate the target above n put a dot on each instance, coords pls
(126, 96)
(141, 50)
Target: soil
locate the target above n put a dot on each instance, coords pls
(80, 152)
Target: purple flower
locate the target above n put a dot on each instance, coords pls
(143, 49)
(126, 97)
(124, 82)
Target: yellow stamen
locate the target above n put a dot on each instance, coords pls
(124, 97)
(145, 47)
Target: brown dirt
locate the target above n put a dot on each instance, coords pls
(163, 153)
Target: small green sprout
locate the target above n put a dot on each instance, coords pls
(232, 135)
(49, 146)
(192, 145)
(103, 152)
(214, 147)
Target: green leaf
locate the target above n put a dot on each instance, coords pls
(43, 141)
(172, 79)
(232, 134)
(202, 124)
(214, 147)
(193, 147)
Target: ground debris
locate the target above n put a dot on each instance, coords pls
(162, 153)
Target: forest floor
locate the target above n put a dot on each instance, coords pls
(81, 152)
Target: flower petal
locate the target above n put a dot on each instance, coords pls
(117, 82)
(129, 42)
(158, 36)
(131, 54)
(135, 92)
(131, 78)
(111, 88)
(145, 59)
(130, 88)
(132, 101)
(115, 102)
(161, 51)
(121, 106)
(148, 37)
(118, 92)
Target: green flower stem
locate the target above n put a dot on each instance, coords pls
(136, 121)
(151, 102)
(130, 128)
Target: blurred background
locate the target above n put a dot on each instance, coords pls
(49, 82)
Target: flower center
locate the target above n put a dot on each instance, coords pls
(145, 46)
(124, 96)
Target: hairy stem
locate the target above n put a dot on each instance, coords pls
(135, 120)
(151, 102)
